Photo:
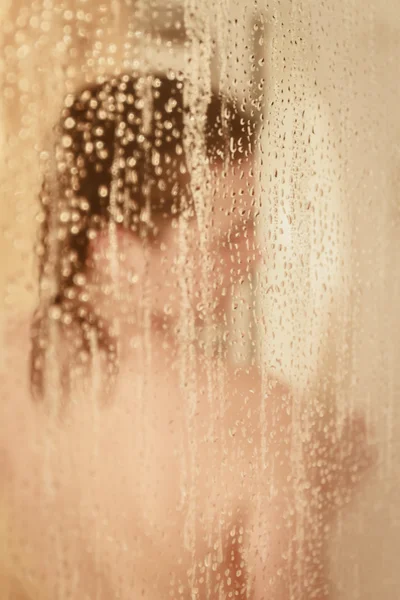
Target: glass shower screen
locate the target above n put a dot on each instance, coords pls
(199, 286)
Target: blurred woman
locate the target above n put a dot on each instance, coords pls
(152, 466)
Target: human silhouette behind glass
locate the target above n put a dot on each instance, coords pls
(160, 485)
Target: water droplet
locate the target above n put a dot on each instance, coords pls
(55, 313)
(103, 191)
(66, 141)
(70, 123)
(66, 319)
(79, 279)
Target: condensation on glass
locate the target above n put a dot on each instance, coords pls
(199, 287)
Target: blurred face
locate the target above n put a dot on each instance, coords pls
(171, 269)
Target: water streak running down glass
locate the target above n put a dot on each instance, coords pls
(199, 283)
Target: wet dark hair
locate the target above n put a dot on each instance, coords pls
(119, 157)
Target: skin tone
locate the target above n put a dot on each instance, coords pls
(131, 496)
